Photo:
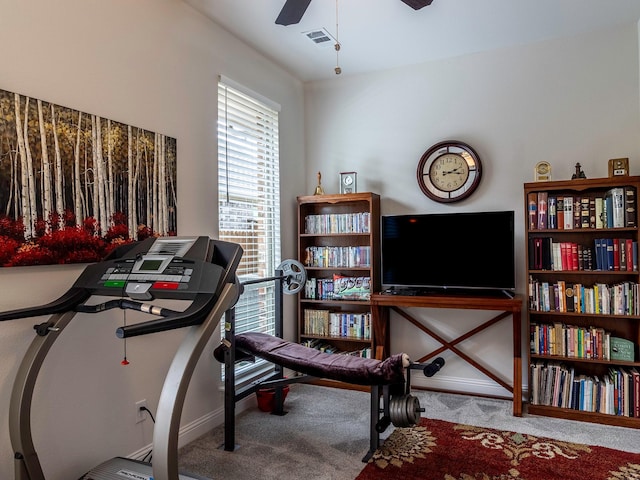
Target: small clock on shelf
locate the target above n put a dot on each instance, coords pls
(449, 171)
(543, 172)
(618, 167)
(348, 181)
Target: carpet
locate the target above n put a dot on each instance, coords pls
(448, 451)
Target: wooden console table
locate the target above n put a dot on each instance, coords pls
(383, 303)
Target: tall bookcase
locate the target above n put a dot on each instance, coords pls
(583, 309)
(339, 244)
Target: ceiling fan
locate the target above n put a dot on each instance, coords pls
(293, 10)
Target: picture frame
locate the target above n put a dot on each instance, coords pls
(348, 182)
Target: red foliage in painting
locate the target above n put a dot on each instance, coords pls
(12, 228)
(53, 243)
(41, 227)
(70, 244)
(144, 232)
(8, 248)
(90, 225)
(31, 254)
(69, 218)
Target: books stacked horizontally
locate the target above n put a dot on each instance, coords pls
(618, 299)
(337, 324)
(617, 393)
(614, 208)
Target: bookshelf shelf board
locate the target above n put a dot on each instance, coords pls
(579, 314)
(575, 231)
(583, 416)
(362, 269)
(559, 358)
(334, 337)
(584, 272)
(353, 234)
(337, 302)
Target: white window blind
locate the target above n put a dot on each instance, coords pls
(249, 200)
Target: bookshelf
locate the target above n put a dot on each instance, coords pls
(583, 315)
(339, 244)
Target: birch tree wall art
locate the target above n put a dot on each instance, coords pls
(73, 185)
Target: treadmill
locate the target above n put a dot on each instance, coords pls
(198, 269)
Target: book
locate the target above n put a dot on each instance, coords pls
(600, 219)
(568, 213)
(577, 212)
(584, 212)
(543, 198)
(622, 349)
(617, 199)
(532, 208)
(552, 214)
(560, 213)
(629, 207)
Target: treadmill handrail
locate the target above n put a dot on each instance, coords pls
(67, 302)
(193, 315)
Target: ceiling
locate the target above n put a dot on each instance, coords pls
(382, 34)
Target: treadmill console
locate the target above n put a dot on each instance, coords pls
(170, 267)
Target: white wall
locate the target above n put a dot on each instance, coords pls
(152, 64)
(564, 101)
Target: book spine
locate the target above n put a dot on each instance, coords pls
(629, 207)
(532, 208)
(543, 198)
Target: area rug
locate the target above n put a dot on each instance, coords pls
(448, 451)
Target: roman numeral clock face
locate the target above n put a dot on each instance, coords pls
(449, 171)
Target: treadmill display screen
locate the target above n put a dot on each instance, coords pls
(150, 265)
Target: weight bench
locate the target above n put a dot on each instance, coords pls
(389, 379)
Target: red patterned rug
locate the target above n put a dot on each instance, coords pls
(447, 451)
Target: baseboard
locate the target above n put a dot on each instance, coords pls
(197, 428)
(458, 384)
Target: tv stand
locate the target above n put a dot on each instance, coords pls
(509, 305)
(447, 292)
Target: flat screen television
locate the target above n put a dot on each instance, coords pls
(465, 251)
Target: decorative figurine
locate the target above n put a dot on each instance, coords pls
(579, 173)
(319, 190)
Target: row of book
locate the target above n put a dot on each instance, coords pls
(606, 254)
(329, 348)
(616, 393)
(338, 223)
(337, 324)
(570, 341)
(600, 298)
(338, 287)
(615, 208)
(348, 257)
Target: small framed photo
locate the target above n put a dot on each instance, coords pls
(618, 167)
(348, 182)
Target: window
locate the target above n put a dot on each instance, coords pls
(249, 201)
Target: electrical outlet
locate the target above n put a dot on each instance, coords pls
(141, 415)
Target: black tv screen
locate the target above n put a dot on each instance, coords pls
(449, 250)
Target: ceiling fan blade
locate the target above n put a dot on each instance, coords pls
(417, 4)
(292, 12)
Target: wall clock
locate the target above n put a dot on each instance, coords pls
(449, 171)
